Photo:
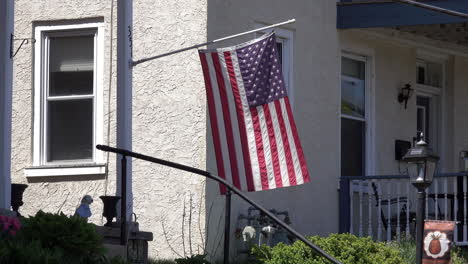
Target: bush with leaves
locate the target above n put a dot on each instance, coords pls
(53, 238)
(195, 259)
(77, 238)
(346, 248)
(407, 249)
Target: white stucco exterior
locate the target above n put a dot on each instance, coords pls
(170, 117)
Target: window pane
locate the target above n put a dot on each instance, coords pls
(352, 147)
(434, 74)
(71, 65)
(353, 97)
(423, 117)
(279, 46)
(353, 68)
(70, 130)
(429, 73)
(421, 75)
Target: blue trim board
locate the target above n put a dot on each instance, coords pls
(391, 14)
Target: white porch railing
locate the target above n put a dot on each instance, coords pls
(384, 207)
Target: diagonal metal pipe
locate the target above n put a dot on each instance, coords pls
(206, 174)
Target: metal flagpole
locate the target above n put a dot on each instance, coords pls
(124, 109)
(433, 8)
(212, 42)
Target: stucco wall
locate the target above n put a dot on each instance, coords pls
(51, 194)
(169, 118)
(313, 207)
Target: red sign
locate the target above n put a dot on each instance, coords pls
(437, 241)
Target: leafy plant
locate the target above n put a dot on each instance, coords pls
(407, 249)
(347, 248)
(20, 251)
(72, 235)
(195, 259)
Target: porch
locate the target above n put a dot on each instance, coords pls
(384, 207)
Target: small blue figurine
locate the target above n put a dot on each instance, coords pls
(83, 210)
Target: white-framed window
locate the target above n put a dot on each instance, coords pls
(355, 113)
(68, 65)
(285, 44)
(429, 73)
(430, 79)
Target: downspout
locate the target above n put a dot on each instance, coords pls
(6, 79)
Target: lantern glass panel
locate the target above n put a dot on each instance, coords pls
(430, 169)
(417, 171)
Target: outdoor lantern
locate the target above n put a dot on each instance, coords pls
(405, 94)
(421, 164)
(421, 169)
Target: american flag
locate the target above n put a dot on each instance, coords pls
(255, 138)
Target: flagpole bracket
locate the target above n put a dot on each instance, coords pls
(23, 41)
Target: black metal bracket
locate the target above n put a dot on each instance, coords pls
(23, 41)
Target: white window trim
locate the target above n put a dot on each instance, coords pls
(438, 96)
(286, 37)
(96, 166)
(365, 57)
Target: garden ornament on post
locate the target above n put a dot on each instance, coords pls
(248, 233)
(83, 210)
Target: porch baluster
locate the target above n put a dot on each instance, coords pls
(436, 193)
(398, 228)
(427, 203)
(446, 199)
(351, 224)
(379, 226)
(360, 186)
(389, 211)
(407, 211)
(369, 196)
(455, 206)
(464, 207)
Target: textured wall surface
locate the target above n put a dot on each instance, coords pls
(169, 119)
(313, 207)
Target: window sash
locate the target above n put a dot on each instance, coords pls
(46, 98)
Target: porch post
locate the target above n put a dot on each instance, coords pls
(6, 68)
(345, 212)
(124, 95)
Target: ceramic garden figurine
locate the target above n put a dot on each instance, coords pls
(83, 210)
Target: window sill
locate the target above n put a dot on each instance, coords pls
(65, 170)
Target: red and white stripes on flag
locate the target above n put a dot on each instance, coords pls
(255, 138)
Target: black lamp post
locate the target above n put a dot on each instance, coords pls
(421, 169)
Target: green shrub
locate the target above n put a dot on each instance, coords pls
(31, 252)
(347, 248)
(54, 238)
(407, 249)
(195, 259)
(72, 235)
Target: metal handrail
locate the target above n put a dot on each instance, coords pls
(206, 174)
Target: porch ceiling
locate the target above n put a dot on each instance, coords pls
(456, 33)
(389, 14)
